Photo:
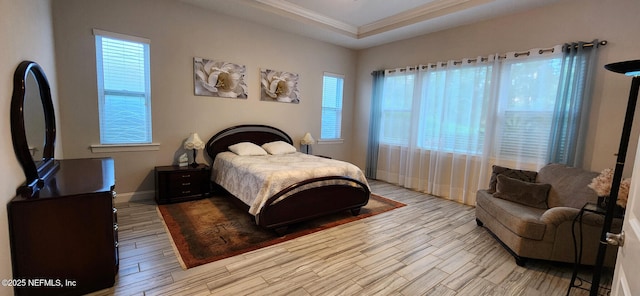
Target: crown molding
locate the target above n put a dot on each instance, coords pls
(410, 17)
(285, 8)
(425, 12)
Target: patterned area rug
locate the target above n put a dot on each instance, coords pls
(215, 228)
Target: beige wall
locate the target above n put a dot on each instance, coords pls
(179, 32)
(26, 34)
(571, 20)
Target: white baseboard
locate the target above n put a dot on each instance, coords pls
(134, 196)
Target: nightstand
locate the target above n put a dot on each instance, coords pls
(175, 183)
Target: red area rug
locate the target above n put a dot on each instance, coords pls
(214, 228)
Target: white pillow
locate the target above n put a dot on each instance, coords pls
(279, 147)
(247, 148)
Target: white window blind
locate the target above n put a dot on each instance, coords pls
(332, 92)
(124, 94)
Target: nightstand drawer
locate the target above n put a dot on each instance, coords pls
(181, 186)
(175, 183)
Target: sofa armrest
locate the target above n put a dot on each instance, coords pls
(558, 215)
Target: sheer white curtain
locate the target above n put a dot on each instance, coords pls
(524, 111)
(395, 124)
(443, 126)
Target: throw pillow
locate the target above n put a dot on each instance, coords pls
(528, 176)
(247, 148)
(522, 192)
(279, 147)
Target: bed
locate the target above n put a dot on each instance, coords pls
(283, 203)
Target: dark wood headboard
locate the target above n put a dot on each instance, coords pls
(254, 133)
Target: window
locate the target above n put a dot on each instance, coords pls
(458, 96)
(331, 121)
(526, 106)
(445, 108)
(124, 94)
(396, 108)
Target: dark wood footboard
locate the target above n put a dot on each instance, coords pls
(309, 202)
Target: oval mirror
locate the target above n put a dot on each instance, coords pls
(34, 119)
(33, 129)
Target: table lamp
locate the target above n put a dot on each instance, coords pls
(194, 142)
(307, 140)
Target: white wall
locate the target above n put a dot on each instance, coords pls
(26, 34)
(179, 32)
(569, 20)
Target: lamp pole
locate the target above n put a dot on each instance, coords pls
(629, 68)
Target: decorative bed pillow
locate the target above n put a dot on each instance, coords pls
(522, 192)
(527, 176)
(279, 147)
(247, 148)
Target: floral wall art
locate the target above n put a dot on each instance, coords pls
(279, 86)
(219, 79)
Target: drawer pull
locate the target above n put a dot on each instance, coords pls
(186, 184)
(115, 226)
(186, 176)
(186, 191)
(113, 194)
(116, 245)
(115, 210)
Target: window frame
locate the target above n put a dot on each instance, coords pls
(108, 146)
(338, 110)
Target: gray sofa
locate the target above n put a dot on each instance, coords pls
(534, 219)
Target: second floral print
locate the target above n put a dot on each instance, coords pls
(279, 86)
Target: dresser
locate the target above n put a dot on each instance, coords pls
(64, 240)
(176, 183)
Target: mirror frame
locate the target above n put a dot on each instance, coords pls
(35, 173)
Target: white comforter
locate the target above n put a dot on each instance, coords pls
(253, 179)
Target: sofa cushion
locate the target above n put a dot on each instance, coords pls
(520, 219)
(526, 193)
(569, 185)
(528, 176)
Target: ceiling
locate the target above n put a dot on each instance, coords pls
(360, 24)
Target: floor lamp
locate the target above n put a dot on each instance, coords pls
(632, 69)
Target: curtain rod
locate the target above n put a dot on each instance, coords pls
(541, 51)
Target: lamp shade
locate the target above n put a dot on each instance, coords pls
(629, 68)
(307, 139)
(193, 142)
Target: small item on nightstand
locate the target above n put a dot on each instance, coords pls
(194, 142)
(183, 160)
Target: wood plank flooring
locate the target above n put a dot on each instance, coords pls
(430, 247)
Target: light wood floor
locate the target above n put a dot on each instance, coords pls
(430, 247)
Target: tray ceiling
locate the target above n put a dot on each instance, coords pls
(359, 24)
